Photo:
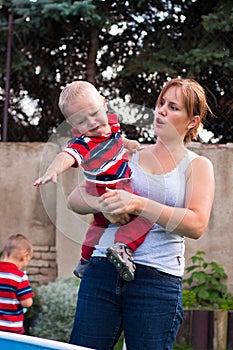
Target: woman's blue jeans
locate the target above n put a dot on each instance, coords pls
(148, 309)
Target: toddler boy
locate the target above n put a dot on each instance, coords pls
(15, 291)
(99, 148)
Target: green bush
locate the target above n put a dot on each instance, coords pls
(205, 286)
(56, 310)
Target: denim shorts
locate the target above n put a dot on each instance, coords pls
(148, 309)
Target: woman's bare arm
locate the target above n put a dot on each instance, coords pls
(83, 203)
(190, 221)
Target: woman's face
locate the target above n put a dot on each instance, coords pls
(171, 117)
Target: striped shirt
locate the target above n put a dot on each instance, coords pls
(103, 158)
(14, 287)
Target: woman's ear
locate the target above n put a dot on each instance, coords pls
(195, 121)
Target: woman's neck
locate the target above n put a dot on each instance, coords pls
(161, 158)
(169, 154)
(175, 147)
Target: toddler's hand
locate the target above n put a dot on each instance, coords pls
(44, 179)
(133, 146)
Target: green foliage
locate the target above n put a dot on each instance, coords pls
(56, 305)
(206, 289)
(120, 342)
(221, 19)
(57, 41)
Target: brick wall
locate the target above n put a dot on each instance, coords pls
(43, 267)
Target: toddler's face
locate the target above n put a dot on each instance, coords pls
(88, 116)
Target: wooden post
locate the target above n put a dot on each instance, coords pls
(200, 330)
(230, 330)
(220, 330)
(7, 85)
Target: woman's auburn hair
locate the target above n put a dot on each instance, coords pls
(194, 100)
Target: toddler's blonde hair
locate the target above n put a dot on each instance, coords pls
(75, 90)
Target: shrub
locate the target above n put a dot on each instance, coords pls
(205, 287)
(57, 304)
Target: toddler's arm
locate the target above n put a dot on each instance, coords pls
(26, 302)
(61, 163)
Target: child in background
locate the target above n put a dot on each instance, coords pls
(100, 149)
(15, 291)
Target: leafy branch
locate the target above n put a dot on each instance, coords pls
(205, 286)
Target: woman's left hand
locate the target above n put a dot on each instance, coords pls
(120, 219)
(118, 202)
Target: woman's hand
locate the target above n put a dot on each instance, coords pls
(83, 203)
(120, 219)
(118, 202)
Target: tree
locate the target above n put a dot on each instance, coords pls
(141, 43)
(44, 35)
(56, 42)
(192, 40)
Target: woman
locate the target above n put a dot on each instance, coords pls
(175, 190)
